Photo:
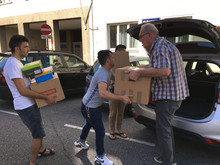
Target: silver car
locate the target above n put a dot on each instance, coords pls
(199, 43)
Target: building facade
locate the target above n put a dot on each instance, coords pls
(84, 27)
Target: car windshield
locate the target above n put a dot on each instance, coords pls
(143, 62)
(2, 58)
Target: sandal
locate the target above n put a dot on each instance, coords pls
(122, 134)
(43, 153)
(112, 136)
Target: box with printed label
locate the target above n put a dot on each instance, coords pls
(50, 87)
(32, 68)
(140, 89)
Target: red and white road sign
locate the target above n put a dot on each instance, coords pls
(45, 29)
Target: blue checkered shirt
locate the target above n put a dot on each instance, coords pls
(164, 54)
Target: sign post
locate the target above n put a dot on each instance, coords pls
(46, 30)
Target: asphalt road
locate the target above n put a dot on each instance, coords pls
(63, 122)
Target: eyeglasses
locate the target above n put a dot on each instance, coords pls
(140, 36)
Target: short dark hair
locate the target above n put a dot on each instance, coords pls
(16, 40)
(103, 55)
(120, 47)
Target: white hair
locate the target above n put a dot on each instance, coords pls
(149, 27)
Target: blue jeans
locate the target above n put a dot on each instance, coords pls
(93, 118)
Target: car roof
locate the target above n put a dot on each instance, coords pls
(179, 26)
(44, 52)
(4, 54)
(131, 59)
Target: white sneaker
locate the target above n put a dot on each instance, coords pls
(102, 161)
(83, 145)
(159, 160)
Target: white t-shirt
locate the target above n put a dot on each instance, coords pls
(12, 69)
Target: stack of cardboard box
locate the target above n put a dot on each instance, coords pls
(46, 75)
(140, 89)
(44, 81)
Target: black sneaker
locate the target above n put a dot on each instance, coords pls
(159, 160)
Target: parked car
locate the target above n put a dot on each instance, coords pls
(199, 43)
(134, 61)
(71, 70)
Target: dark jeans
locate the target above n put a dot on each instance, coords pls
(165, 110)
(93, 118)
(31, 117)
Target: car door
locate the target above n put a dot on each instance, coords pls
(77, 71)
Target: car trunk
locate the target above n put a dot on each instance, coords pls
(202, 99)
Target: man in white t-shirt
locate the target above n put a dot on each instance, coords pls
(24, 103)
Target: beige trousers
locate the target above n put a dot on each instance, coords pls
(116, 113)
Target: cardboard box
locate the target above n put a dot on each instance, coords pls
(32, 68)
(50, 87)
(121, 60)
(140, 89)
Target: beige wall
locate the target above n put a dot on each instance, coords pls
(9, 33)
(35, 40)
(51, 18)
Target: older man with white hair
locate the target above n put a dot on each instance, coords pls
(169, 87)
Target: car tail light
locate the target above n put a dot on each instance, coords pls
(152, 102)
(219, 97)
(136, 116)
(210, 141)
(88, 80)
(2, 78)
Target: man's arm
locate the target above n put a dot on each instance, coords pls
(104, 93)
(148, 72)
(155, 72)
(24, 91)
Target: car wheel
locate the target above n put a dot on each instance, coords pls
(129, 110)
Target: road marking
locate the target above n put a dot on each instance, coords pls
(11, 113)
(107, 134)
(92, 130)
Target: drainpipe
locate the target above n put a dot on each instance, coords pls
(85, 22)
